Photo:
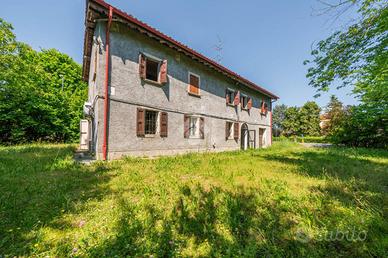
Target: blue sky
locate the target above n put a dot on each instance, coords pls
(264, 41)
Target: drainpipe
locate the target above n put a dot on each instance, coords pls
(270, 120)
(106, 94)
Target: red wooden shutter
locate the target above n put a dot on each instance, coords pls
(194, 84)
(262, 106)
(163, 124)
(202, 127)
(237, 98)
(163, 72)
(142, 66)
(250, 103)
(227, 96)
(140, 122)
(186, 128)
(236, 130)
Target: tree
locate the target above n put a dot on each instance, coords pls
(291, 123)
(335, 114)
(357, 56)
(32, 104)
(279, 114)
(309, 119)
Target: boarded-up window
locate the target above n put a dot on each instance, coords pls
(163, 124)
(194, 84)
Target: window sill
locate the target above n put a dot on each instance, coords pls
(195, 137)
(150, 136)
(194, 94)
(153, 82)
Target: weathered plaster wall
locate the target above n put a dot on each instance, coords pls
(128, 92)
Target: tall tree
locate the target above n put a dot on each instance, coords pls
(335, 113)
(357, 56)
(309, 119)
(33, 105)
(291, 123)
(279, 114)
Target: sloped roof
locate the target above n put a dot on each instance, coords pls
(97, 9)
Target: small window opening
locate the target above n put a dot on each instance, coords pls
(152, 70)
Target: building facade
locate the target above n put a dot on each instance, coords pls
(150, 95)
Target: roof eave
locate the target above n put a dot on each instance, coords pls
(162, 38)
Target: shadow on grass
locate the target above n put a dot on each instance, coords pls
(219, 222)
(354, 192)
(39, 184)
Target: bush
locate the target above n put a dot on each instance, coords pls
(312, 139)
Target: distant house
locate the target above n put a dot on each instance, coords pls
(151, 95)
(324, 122)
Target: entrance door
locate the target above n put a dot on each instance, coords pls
(252, 139)
(261, 137)
(244, 137)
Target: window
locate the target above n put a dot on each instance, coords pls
(194, 84)
(244, 102)
(229, 130)
(152, 70)
(194, 127)
(264, 107)
(229, 97)
(150, 122)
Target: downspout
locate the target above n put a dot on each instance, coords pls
(106, 94)
(270, 121)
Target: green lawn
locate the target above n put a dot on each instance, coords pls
(286, 200)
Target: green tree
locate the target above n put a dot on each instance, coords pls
(291, 123)
(309, 119)
(335, 113)
(279, 114)
(32, 104)
(357, 56)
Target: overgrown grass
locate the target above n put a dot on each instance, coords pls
(282, 201)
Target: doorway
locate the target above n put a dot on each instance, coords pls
(261, 137)
(244, 137)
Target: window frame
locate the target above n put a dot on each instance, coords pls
(155, 59)
(231, 130)
(231, 100)
(244, 107)
(199, 84)
(197, 125)
(148, 135)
